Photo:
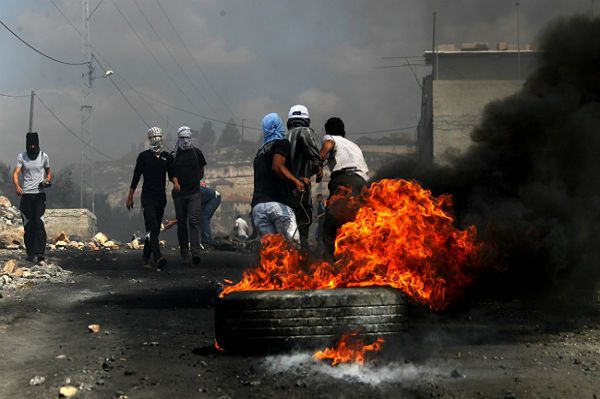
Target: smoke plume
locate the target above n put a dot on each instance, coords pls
(530, 182)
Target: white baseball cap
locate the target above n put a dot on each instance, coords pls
(298, 111)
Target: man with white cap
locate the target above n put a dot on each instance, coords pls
(305, 163)
(154, 164)
(188, 170)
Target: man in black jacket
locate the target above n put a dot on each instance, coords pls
(188, 170)
(153, 164)
(305, 163)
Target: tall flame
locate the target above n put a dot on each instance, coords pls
(401, 237)
(350, 348)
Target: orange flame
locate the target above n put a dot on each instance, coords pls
(217, 347)
(401, 237)
(349, 349)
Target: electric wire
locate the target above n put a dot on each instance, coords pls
(98, 56)
(129, 102)
(383, 130)
(70, 131)
(187, 111)
(151, 53)
(195, 61)
(14, 96)
(143, 96)
(185, 74)
(39, 51)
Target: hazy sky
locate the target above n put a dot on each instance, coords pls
(259, 56)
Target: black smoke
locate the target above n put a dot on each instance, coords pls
(531, 180)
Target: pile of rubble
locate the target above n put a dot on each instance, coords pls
(98, 242)
(15, 276)
(11, 235)
(11, 226)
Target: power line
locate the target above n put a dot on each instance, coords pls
(99, 55)
(13, 96)
(151, 53)
(194, 59)
(65, 17)
(398, 129)
(40, 52)
(124, 96)
(70, 131)
(175, 59)
(129, 102)
(191, 112)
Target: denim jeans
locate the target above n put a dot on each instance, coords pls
(275, 217)
(208, 210)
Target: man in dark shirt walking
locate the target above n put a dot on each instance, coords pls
(153, 164)
(274, 183)
(188, 170)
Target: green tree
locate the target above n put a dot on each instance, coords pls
(207, 135)
(230, 135)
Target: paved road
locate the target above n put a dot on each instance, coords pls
(156, 341)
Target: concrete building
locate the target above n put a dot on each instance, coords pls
(463, 81)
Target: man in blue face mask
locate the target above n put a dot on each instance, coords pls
(188, 170)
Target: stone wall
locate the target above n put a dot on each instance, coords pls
(79, 222)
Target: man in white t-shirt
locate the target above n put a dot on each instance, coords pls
(34, 168)
(241, 229)
(348, 169)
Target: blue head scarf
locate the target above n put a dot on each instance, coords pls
(272, 126)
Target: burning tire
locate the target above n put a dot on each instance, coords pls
(277, 320)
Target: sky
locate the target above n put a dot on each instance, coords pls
(250, 58)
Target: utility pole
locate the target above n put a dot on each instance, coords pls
(243, 129)
(434, 50)
(517, 4)
(86, 108)
(31, 101)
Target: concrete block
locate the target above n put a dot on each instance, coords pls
(80, 222)
(446, 47)
(475, 46)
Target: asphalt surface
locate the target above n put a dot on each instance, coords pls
(156, 341)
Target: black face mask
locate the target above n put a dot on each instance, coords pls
(32, 145)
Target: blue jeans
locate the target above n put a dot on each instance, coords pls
(275, 217)
(208, 210)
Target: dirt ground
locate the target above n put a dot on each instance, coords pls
(156, 341)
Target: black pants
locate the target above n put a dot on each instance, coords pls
(303, 210)
(33, 207)
(188, 211)
(334, 219)
(153, 214)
